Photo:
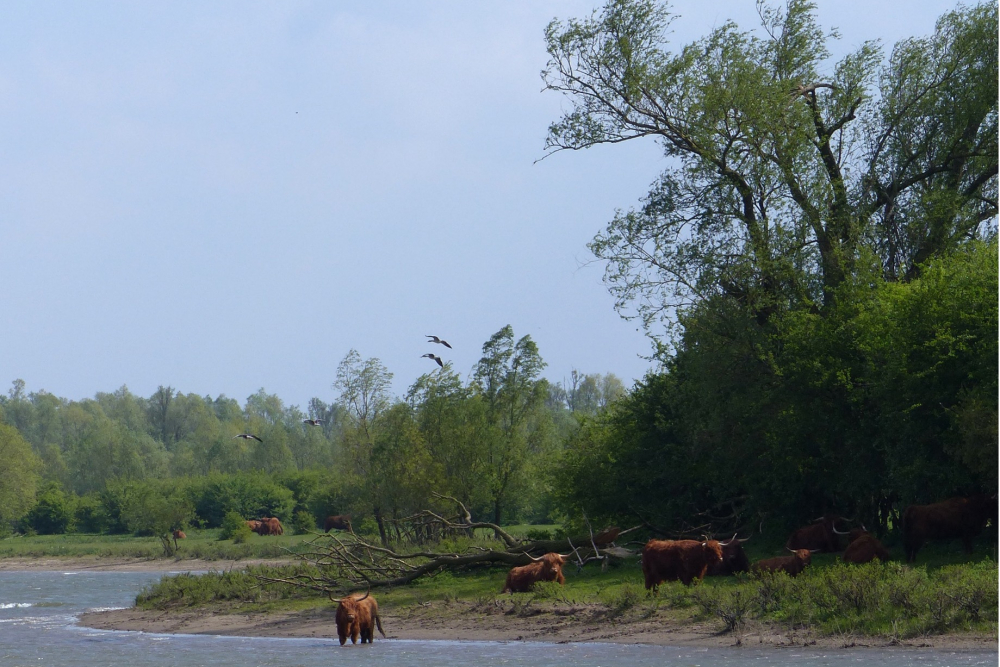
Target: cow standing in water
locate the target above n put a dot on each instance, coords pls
(955, 518)
(544, 568)
(357, 617)
(678, 560)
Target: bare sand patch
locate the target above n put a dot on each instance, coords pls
(464, 621)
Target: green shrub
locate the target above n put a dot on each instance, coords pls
(303, 522)
(52, 513)
(538, 534)
(234, 527)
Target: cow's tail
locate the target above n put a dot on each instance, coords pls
(378, 623)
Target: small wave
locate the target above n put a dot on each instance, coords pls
(15, 605)
(90, 609)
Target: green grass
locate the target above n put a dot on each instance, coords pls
(202, 544)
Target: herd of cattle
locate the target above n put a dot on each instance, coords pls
(687, 560)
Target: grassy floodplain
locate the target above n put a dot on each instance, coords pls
(945, 592)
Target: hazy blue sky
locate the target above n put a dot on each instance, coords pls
(224, 196)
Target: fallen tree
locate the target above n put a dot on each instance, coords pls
(350, 561)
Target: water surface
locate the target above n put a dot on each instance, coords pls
(38, 613)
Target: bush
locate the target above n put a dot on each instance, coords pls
(303, 522)
(90, 515)
(247, 494)
(235, 528)
(52, 513)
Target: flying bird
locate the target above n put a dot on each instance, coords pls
(248, 436)
(435, 339)
(312, 422)
(434, 357)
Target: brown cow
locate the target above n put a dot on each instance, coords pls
(678, 560)
(269, 526)
(254, 525)
(357, 617)
(544, 568)
(955, 518)
(607, 536)
(338, 521)
(793, 564)
(734, 559)
(820, 535)
(863, 547)
(179, 535)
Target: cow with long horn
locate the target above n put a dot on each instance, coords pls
(357, 617)
(734, 559)
(544, 568)
(820, 535)
(678, 560)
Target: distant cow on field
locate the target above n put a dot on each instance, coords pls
(820, 535)
(863, 547)
(269, 526)
(792, 565)
(544, 568)
(357, 617)
(955, 518)
(734, 559)
(338, 522)
(678, 560)
(253, 525)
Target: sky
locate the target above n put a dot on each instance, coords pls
(228, 196)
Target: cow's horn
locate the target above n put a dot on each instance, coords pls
(730, 540)
(834, 526)
(367, 593)
(533, 559)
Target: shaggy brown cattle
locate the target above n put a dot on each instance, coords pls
(268, 526)
(793, 564)
(734, 559)
(544, 568)
(678, 560)
(820, 535)
(179, 535)
(254, 525)
(339, 521)
(863, 547)
(955, 518)
(357, 617)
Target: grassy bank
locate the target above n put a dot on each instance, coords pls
(889, 600)
(201, 544)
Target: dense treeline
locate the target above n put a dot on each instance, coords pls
(823, 250)
(126, 463)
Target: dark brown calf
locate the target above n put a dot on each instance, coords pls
(863, 547)
(793, 564)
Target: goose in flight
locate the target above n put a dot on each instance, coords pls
(434, 357)
(312, 422)
(248, 436)
(435, 339)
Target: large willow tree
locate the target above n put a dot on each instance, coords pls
(786, 170)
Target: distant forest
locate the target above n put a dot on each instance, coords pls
(122, 463)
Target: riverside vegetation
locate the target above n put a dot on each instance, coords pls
(886, 600)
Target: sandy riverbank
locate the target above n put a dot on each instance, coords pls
(97, 564)
(466, 621)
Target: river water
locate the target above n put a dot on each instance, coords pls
(39, 610)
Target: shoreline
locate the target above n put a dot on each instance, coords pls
(119, 564)
(457, 621)
(454, 620)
